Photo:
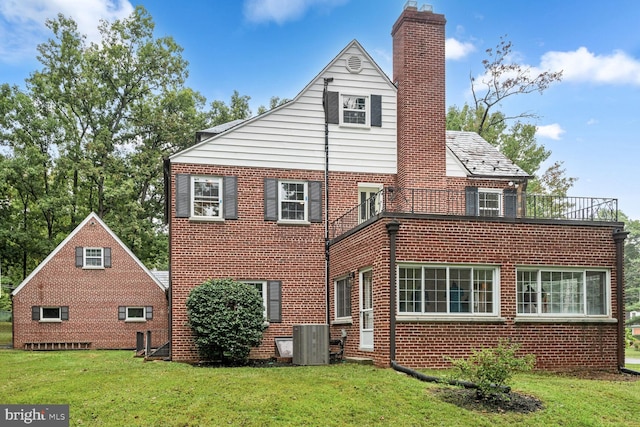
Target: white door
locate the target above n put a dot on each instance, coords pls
(370, 196)
(366, 309)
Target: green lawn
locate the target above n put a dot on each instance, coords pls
(5, 333)
(112, 388)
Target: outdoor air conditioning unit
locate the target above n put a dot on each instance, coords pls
(310, 344)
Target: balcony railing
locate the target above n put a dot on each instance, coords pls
(467, 203)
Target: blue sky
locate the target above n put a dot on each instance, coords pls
(265, 48)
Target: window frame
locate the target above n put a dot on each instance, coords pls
(484, 210)
(448, 274)
(342, 296)
(304, 201)
(367, 110)
(263, 293)
(194, 179)
(86, 257)
(129, 318)
(549, 297)
(50, 319)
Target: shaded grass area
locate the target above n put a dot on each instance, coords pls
(5, 333)
(112, 388)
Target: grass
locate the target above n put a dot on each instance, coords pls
(112, 388)
(5, 333)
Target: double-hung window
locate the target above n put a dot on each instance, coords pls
(93, 258)
(343, 298)
(562, 292)
(206, 197)
(355, 110)
(261, 287)
(489, 202)
(135, 314)
(443, 289)
(292, 201)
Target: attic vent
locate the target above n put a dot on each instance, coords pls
(354, 64)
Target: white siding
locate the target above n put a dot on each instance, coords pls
(454, 167)
(292, 136)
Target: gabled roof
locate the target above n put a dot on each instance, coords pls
(91, 217)
(218, 131)
(481, 159)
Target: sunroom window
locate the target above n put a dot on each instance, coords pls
(562, 292)
(446, 289)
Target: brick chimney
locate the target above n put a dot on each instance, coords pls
(418, 70)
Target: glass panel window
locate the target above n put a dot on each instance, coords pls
(135, 313)
(446, 290)
(207, 197)
(343, 298)
(562, 292)
(355, 110)
(50, 313)
(367, 300)
(370, 199)
(262, 290)
(93, 257)
(293, 201)
(489, 202)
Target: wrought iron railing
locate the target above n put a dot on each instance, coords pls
(465, 203)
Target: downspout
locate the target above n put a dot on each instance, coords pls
(392, 230)
(619, 236)
(325, 106)
(166, 169)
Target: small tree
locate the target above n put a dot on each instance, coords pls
(492, 368)
(227, 320)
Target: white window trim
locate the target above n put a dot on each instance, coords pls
(136, 319)
(51, 319)
(500, 201)
(365, 186)
(367, 110)
(342, 319)
(84, 259)
(304, 221)
(263, 283)
(475, 316)
(192, 215)
(539, 314)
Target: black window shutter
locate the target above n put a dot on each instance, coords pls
(333, 108)
(315, 201)
(122, 312)
(471, 194)
(183, 196)
(79, 256)
(107, 257)
(64, 312)
(510, 202)
(376, 110)
(230, 201)
(274, 298)
(148, 311)
(35, 312)
(270, 199)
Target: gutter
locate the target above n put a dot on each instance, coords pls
(618, 237)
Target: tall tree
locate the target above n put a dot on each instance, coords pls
(501, 80)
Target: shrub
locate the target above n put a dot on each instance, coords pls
(491, 369)
(227, 320)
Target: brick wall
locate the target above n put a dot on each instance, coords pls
(419, 72)
(93, 298)
(251, 248)
(557, 345)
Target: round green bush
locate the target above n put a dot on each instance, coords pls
(227, 320)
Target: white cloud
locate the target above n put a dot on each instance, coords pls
(455, 49)
(281, 11)
(584, 66)
(552, 131)
(22, 22)
(592, 122)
